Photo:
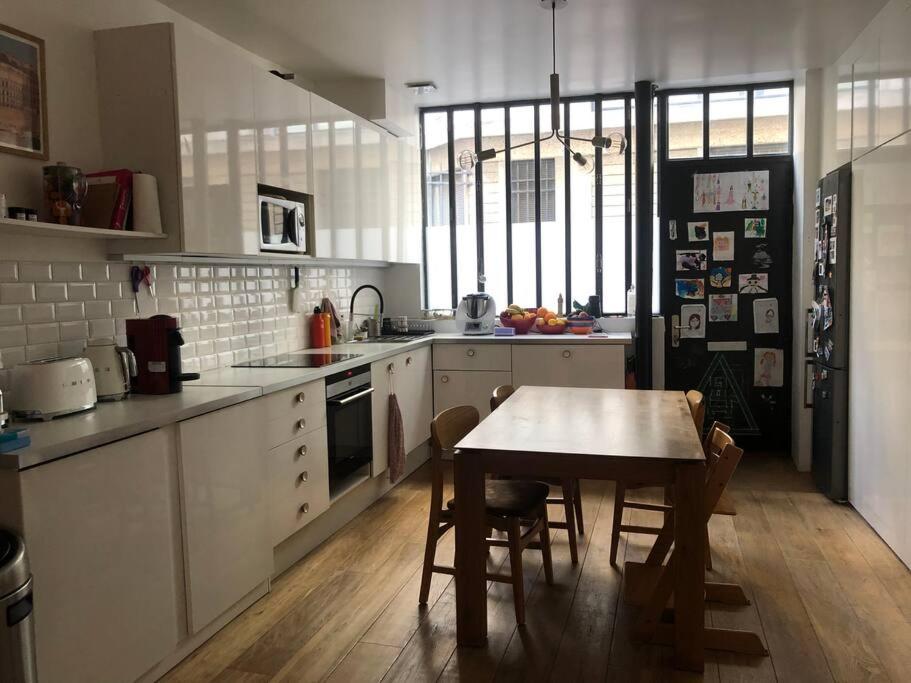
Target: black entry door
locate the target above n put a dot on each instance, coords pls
(742, 367)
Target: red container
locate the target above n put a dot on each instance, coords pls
(317, 330)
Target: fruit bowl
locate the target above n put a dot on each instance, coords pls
(580, 326)
(521, 326)
(551, 329)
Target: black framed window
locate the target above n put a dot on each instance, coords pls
(528, 225)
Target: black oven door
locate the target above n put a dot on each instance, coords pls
(350, 426)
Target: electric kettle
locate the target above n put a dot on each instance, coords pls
(114, 366)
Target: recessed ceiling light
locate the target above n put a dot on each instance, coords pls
(422, 87)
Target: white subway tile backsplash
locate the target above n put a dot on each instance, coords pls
(78, 329)
(228, 314)
(13, 336)
(103, 327)
(33, 271)
(21, 293)
(66, 272)
(74, 310)
(9, 271)
(80, 291)
(97, 309)
(10, 315)
(11, 357)
(38, 313)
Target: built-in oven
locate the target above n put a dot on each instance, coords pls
(349, 418)
(285, 220)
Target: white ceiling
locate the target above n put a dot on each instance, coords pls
(483, 50)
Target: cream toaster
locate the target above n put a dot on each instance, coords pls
(45, 389)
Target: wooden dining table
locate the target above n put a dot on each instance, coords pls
(647, 437)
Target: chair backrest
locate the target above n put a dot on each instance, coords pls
(713, 443)
(500, 394)
(722, 471)
(696, 401)
(446, 430)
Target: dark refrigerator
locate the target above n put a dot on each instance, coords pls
(829, 319)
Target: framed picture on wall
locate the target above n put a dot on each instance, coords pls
(23, 99)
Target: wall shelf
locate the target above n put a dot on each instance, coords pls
(14, 226)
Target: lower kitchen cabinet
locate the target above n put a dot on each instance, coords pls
(409, 375)
(298, 484)
(466, 388)
(600, 366)
(103, 536)
(227, 545)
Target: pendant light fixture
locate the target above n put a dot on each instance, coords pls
(615, 143)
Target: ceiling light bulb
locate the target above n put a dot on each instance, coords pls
(583, 163)
(615, 143)
(467, 159)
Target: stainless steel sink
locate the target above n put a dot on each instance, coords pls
(390, 339)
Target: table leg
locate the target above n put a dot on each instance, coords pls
(470, 551)
(689, 567)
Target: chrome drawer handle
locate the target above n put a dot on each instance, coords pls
(305, 508)
(301, 397)
(303, 477)
(470, 353)
(302, 450)
(567, 353)
(444, 379)
(301, 423)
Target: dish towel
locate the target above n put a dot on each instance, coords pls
(327, 306)
(396, 440)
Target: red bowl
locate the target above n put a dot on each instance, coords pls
(521, 326)
(551, 329)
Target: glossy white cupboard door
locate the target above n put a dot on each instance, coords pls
(323, 114)
(283, 132)
(217, 145)
(343, 136)
(595, 366)
(415, 396)
(103, 539)
(223, 479)
(370, 176)
(879, 431)
(380, 381)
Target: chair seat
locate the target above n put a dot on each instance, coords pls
(511, 498)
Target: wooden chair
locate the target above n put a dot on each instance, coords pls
(571, 489)
(696, 402)
(511, 504)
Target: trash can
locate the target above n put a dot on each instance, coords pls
(17, 627)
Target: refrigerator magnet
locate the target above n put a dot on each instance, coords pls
(672, 230)
(827, 206)
(820, 269)
(834, 204)
(832, 250)
(818, 195)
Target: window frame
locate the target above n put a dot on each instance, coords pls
(597, 260)
(750, 89)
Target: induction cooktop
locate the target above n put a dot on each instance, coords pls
(298, 360)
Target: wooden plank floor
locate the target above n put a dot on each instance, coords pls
(830, 600)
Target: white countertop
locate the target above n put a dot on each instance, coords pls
(217, 389)
(112, 421)
(270, 380)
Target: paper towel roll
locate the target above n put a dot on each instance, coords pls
(146, 212)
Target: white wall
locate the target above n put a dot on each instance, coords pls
(867, 109)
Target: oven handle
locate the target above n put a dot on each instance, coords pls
(353, 397)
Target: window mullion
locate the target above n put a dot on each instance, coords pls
(453, 247)
(628, 191)
(750, 93)
(567, 185)
(479, 199)
(508, 191)
(537, 185)
(424, 209)
(599, 209)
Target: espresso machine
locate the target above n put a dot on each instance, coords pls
(156, 343)
(476, 314)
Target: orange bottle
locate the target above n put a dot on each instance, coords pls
(317, 330)
(327, 329)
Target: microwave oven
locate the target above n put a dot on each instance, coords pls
(285, 220)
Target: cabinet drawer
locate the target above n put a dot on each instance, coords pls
(298, 484)
(310, 415)
(471, 357)
(571, 365)
(292, 401)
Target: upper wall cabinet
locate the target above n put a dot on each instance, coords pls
(282, 115)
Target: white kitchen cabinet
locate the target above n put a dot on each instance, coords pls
(282, 115)
(103, 536)
(371, 172)
(178, 102)
(228, 550)
(298, 484)
(599, 366)
(409, 374)
(466, 388)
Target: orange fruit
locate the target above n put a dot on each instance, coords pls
(549, 316)
(542, 312)
(517, 316)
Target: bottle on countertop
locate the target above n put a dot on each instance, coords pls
(560, 305)
(631, 300)
(317, 330)
(327, 329)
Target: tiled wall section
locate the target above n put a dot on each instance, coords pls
(228, 314)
